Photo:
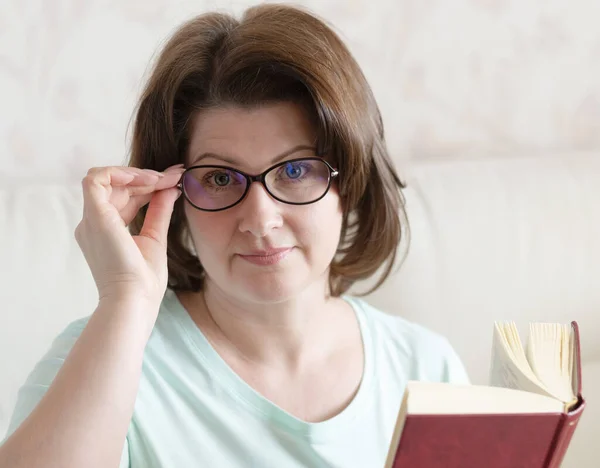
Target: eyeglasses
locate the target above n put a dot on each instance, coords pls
(296, 182)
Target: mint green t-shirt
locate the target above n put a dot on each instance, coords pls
(193, 410)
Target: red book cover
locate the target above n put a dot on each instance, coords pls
(569, 421)
(527, 440)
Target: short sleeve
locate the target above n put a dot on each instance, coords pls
(454, 369)
(434, 359)
(125, 455)
(42, 375)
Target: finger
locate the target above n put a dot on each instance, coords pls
(132, 170)
(96, 169)
(137, 170)
(144, 176)
(175, 167)
(97, 187)
(99, 182)
(169, 180)
(158, 215)
(133, 207)
(141, 195)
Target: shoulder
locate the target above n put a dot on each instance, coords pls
(43, 373)
(416, 350)
(62, 342)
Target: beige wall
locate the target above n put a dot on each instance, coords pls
(452, 77)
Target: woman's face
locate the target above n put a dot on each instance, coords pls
(233, 245)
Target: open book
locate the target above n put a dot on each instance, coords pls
(525, 417)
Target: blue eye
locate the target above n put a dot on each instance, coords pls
(293, 171)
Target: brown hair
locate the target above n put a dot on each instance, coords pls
(275, 53)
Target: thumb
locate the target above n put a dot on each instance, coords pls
(158, 215)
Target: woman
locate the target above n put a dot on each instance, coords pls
(224, 335)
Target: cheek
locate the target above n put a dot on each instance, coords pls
(210, 231)
(318, 226)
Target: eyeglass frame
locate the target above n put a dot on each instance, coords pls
(333, 173)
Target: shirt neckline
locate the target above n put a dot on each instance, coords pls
(259, 405)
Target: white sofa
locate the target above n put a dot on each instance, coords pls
(491, 238)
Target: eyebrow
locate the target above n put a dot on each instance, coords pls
(275, 160)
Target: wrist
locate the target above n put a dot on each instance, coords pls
(143, 311)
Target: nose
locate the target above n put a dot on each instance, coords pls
(259, 212)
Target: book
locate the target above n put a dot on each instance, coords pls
(525, 417)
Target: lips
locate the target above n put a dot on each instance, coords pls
(266, 257)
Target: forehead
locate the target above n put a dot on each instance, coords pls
(251, 137)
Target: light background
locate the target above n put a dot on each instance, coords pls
(491, 107)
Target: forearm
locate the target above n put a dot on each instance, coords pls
(82, 419)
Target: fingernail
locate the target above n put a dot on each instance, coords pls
(175, 168)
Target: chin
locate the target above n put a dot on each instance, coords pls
(270, 284)
(270, 288)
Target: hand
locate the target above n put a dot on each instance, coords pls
(127, 267)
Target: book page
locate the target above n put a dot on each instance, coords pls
(437, 398)
(572, 364)
(549, 351)
(508, 371)
(402, 414)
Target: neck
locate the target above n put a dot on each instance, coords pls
(286, 335)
